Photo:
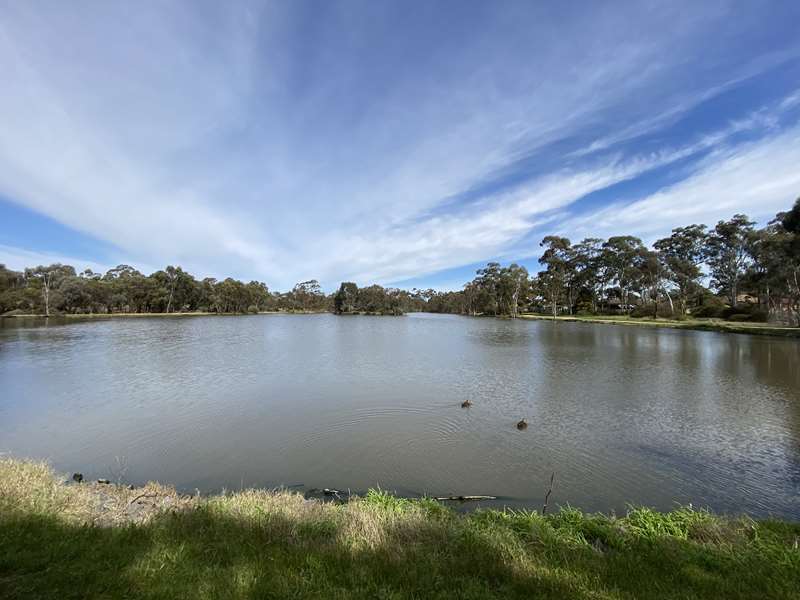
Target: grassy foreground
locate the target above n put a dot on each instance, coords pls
(696, 324)
(107, 541)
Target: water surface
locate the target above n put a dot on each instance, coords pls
(621, 414)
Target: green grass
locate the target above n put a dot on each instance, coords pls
(258, 544)
(719, 325)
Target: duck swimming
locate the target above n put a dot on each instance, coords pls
(466, 404)
(522, 424)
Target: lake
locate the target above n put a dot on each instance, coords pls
(620, 414)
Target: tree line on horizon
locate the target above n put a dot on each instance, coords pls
(732, 270)
(59, 289)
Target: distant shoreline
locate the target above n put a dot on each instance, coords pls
(690, 324)
(717, 325)
(161, 314)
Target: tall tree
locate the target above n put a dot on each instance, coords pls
(791, 225)
(259, 296)
(728, 253)
(653, 270)
(586, 264)
(172, 278)
(513, 287)
(682, 253)
(776, 265)
(49, 277)
(308, 294)
(346, 298)
(9, 279)
(488, 287)
(558, 260)
(621, 255)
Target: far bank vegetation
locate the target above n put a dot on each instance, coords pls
(732, 271)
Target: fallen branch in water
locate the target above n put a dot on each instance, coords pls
(549, 491)
(466, 498)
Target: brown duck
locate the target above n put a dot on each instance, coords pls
(523, 424)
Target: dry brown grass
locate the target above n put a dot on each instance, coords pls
(33, 488)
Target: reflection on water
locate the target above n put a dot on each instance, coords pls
(621, 414)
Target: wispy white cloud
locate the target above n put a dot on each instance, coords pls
(247, 140)
(758, 178)
(394, 253)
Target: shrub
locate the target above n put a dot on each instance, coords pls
(745, 312)
(708, 311)
(739, 317)
(646, 310)
(252, 309)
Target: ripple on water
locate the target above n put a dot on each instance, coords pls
(622, 415)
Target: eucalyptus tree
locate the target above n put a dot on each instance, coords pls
(231, 296)
(12, 289)
(488, 288)
(75, 294)
(184, 290)
(89, 274)
(653, 272)
(172, 277)
(308, 295)
(514, 284)
(10, 279)
(128, 288)
(122, 272)
(49, 278)
(790, 221)
(416, 300)
(620, 256)
(346, 298)
(495, 290)
(259, 297)
(99, 295)
(144, 293)
(376, 299)
(471, 294)
(586, 264)
(728, 254)
(682, 253)
(560, 269)
(776, 265)
(449, 302)
(550, 287)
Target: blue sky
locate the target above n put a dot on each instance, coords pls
(405, 143)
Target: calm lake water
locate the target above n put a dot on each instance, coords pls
(621, 414)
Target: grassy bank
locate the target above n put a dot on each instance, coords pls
(106, 541)
(696, 324)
